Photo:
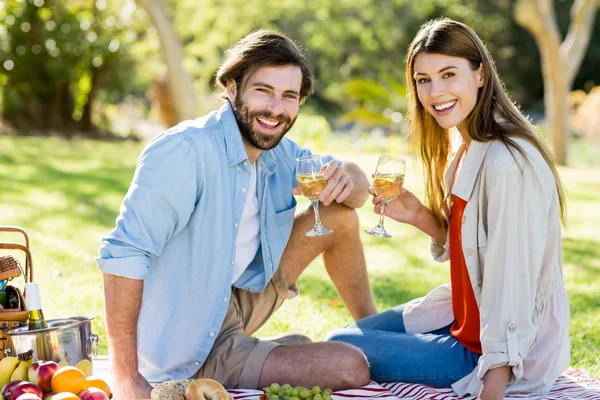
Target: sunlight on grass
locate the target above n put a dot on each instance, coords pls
(67, 195)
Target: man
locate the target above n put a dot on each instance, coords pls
(207, 247)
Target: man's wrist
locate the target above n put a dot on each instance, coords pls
(123, 371)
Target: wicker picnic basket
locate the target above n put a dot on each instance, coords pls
(9, 269)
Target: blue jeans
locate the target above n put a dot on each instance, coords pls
(434, 359)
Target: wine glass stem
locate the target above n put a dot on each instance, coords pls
(315, 204)
(383, 204)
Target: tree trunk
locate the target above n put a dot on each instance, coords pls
(179, 80)
(85, 123)
(560, 61)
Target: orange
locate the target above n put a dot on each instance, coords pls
(64, 396)
(68, 379)
(92, 381)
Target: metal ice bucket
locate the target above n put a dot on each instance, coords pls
(66, 339)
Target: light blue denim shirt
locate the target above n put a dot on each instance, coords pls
(177, 230)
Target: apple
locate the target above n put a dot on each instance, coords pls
(93, 394)
(22, 388)
(40, 373)
(7, 389)
(28, 396)
(62, 396)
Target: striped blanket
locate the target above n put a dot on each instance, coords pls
(573, 384)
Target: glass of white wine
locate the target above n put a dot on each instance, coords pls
(312, 182)
(388, 180)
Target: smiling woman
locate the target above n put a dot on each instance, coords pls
(493, 210)
(447, 87)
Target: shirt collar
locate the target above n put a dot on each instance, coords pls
(234, 145)
(465, 181)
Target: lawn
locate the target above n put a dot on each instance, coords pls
(66, 194)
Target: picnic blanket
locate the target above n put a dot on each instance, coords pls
(573, 384)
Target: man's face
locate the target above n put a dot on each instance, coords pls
(268, 107)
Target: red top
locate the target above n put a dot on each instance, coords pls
(466, 312)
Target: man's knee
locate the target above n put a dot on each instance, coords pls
(342, 217)
(354, 368)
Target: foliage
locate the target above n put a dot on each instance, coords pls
(312, 130)
(57, 57)
(354, 46)
(585, 114)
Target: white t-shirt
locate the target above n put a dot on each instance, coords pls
(248, 238)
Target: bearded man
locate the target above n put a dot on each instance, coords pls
(207, 245)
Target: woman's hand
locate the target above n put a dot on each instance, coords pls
(405, 208)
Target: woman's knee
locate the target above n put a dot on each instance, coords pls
(341, 335)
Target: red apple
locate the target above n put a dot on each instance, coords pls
(93, 394)
(7, 389)
(28, 396)
(47, 395)
(22, 388)
(41, 373)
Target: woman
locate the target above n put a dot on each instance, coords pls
(502, 324)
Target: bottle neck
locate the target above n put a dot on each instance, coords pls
(32, 292)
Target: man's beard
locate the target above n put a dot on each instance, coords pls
(245, 118)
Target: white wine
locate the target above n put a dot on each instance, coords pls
(388, 186)
(311, 185)
(34, 307)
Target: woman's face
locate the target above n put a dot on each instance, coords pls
(447, 88)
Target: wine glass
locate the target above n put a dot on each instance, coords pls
(312, 182)
(388, 180)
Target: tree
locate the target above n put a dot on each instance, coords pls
(57, 58)
(179, 80)
(561, 60)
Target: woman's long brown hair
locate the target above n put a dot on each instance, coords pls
(494, 117)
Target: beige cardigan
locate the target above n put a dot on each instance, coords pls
(511, 239)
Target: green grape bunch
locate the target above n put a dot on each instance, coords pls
(287, 392)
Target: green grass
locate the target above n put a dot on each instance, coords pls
(67, 195)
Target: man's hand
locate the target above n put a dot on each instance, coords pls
(132, 388)
(339, 184)
(346, 184)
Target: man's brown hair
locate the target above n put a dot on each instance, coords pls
(260, 49)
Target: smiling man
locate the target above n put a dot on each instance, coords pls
(207, 247)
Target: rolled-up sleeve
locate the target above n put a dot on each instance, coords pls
(516, 219)
(441, 251)
(159, 203)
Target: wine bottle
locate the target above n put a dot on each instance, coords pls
(34, 306)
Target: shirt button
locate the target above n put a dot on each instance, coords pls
(196, 363)
(236, 225)
(239, 169)
(245, 163)
(211, 334)
(233, 262)
(512, 327)
(243, 190)
(469, 252)
(225, 299)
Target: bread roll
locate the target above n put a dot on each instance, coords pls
(206, 389)
(171, 390)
